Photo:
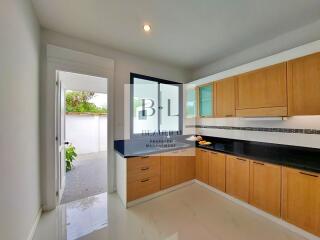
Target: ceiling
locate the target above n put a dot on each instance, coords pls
(186, 33)
(82, 82)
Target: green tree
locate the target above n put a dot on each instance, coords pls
(78, 101)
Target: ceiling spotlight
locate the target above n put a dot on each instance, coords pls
(147, 28)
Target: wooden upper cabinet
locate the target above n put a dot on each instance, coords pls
(237, 177)
(217, 170)
(202, 165)
(262, 92)
(224, 96)
(265, 187)
(301, 199)
(304, 85)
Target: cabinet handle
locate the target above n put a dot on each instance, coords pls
(203, 150)
(259, 163)
(215, 153)
(308, 174)
(145, 180)
(144, 156)
(229, 115)
(241, 159)
(144, 168)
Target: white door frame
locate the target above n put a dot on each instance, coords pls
(60, 114)
(62, 59)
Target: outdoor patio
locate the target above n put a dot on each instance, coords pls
(88, 177)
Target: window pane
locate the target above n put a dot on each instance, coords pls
(169, 102)
(205, 96)
(145, 106)
(191, 103)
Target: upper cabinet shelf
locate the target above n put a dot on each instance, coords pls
(285, 89)
(262, 92)
(224, 96)
(304, 85)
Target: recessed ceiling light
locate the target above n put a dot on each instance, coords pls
(147, 28)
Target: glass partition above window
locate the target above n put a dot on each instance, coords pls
(191, 109)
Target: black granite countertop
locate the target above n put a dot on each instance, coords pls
(292, 156)
(285, 155)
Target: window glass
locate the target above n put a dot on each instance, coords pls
(205, 98)
(191, 103)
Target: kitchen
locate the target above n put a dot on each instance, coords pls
(280, 181)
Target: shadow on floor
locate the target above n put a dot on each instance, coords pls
(88, 177)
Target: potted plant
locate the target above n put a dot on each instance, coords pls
(70, 155)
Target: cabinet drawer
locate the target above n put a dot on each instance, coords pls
(142, 187)
(142, 167)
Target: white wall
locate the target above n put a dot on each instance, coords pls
(295, 38)
(19, 129)
(301, 122)
(124, 64)
(88, 133)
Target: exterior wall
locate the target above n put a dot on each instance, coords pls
(88, 133)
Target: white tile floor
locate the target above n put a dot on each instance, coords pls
(192, 212)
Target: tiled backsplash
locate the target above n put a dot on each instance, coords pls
(260, 129)
(297, 131)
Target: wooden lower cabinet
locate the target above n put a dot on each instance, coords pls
(202, 165)
(237, 177)
(143, 187)
(217, 170)
(143, 176)
(185, 169)
(301, 199)
(168, 171)
(177, 167)
(265, 187)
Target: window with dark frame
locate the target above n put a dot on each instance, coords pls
(155, 106)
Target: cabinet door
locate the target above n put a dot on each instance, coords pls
(224, 95)
(205, 100)
(202, 165)
(185, 166)
(237, 177)
(304, 85)
(301, 199)
(168, 171)
(262, 92)
(265, 187)
(217, 170)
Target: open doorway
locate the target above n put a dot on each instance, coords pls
(82, 129)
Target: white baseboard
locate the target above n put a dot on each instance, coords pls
(157, 194)
(34, 225)
(274, 219)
